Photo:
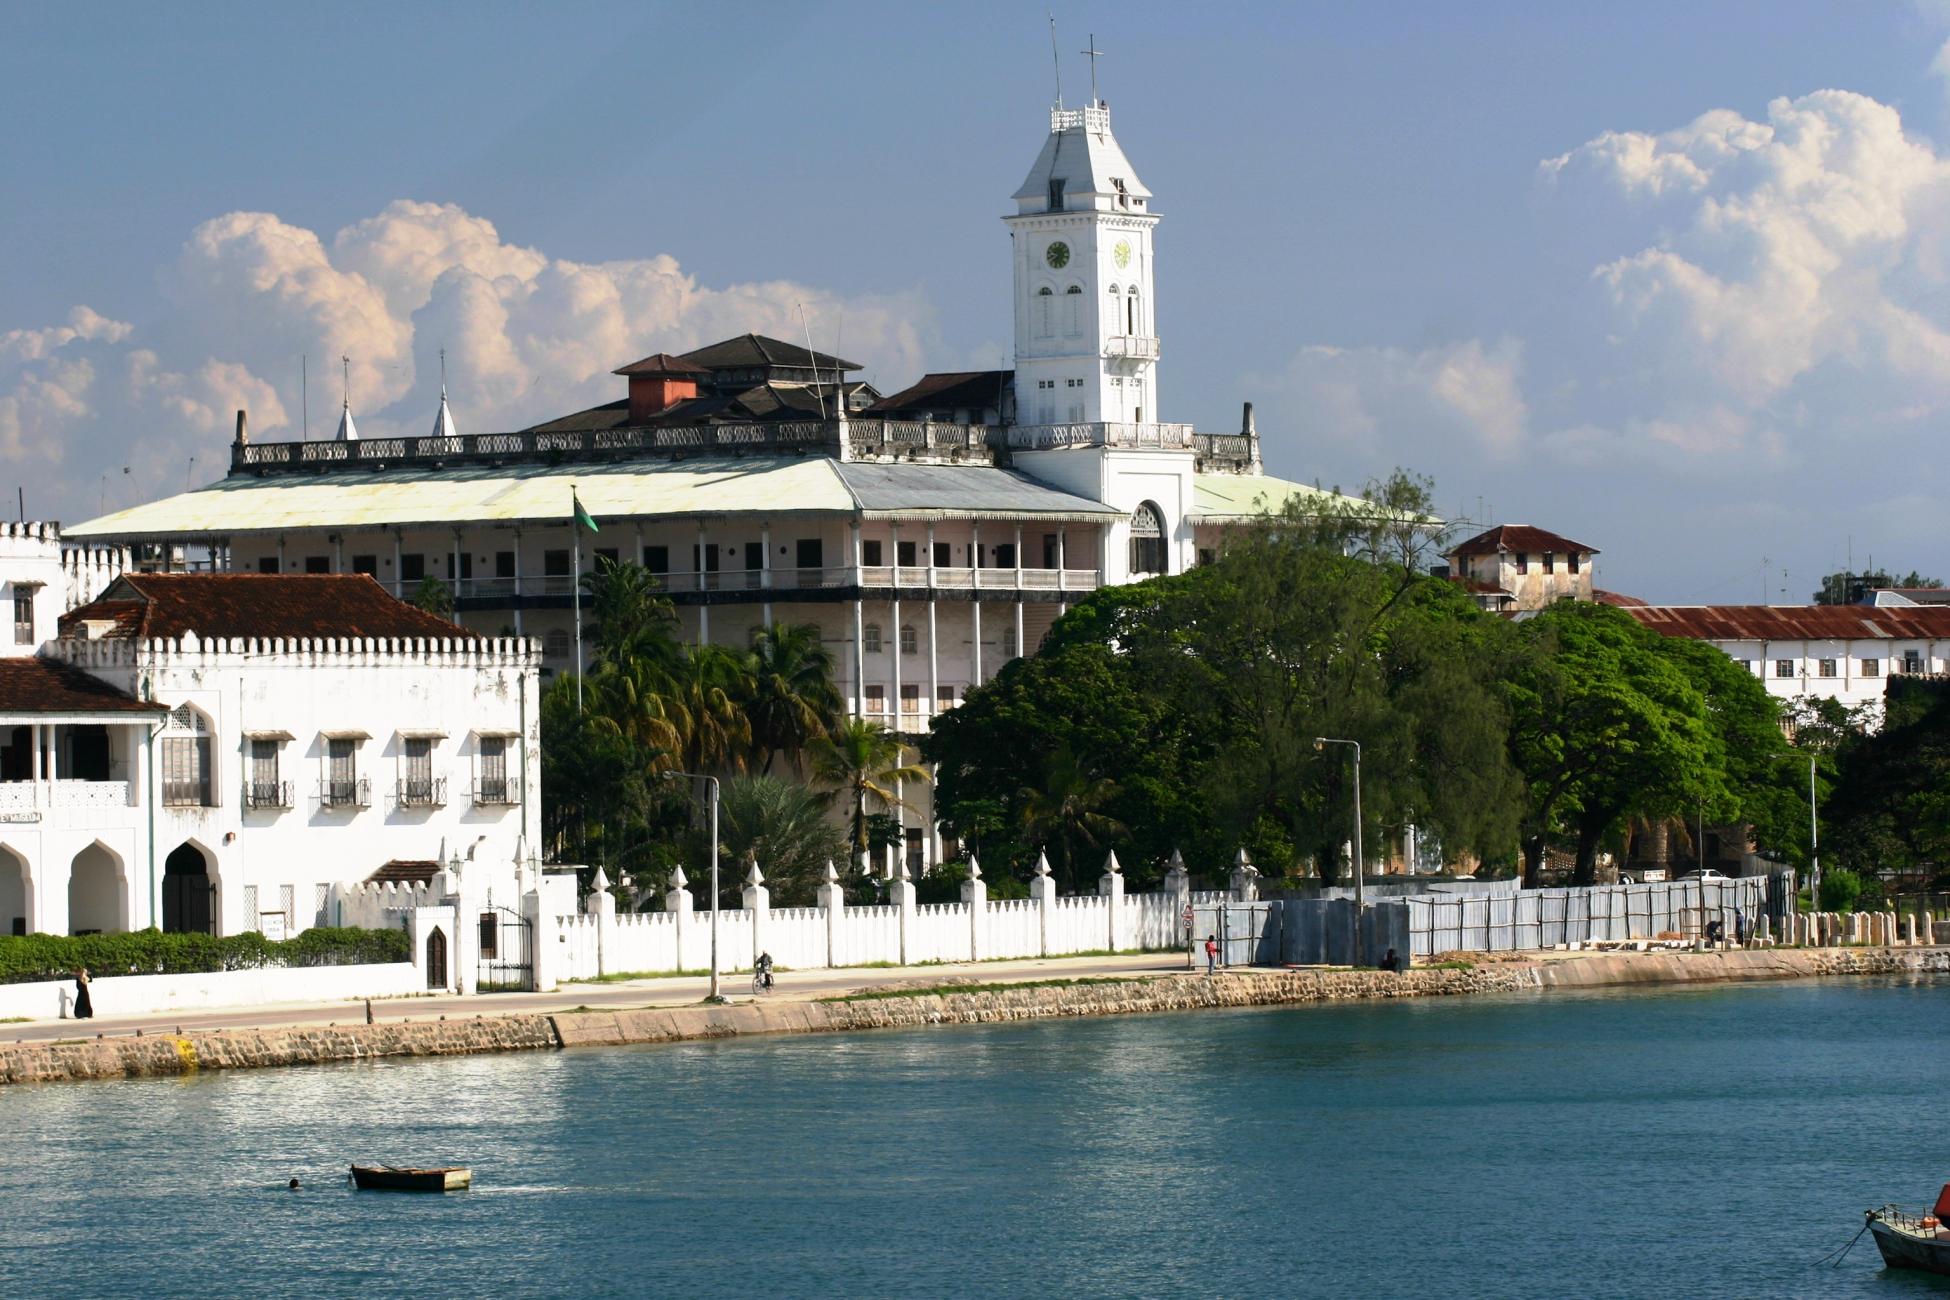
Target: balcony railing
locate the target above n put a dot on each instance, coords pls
(1045, 437)
(872, 436)
(345, 794)
(1139, 347)
(267, 794)
(494, 792)
(25, 795)
(422, 792)
(882, 576)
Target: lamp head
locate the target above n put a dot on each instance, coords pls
(1320, 744)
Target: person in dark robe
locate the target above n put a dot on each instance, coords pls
(84, 1006)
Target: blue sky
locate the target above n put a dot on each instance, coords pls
(1718, 330)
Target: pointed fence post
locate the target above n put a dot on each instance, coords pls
(1042, 888)
(679, 903)
(901, 890)
(975, 893)
(601, 904)
(546, 957)
(758, 901)
(1245, 878)
(1111, 886)
(1178, 883)
(832, 897)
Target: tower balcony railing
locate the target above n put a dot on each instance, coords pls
(1135, 347)
(1108, 433)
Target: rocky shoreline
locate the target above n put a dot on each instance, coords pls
(123, 1058)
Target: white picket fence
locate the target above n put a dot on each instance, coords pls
(601, 942)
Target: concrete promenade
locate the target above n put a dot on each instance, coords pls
(675, 991)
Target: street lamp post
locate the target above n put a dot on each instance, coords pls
(715, 996)
(1360, 867)
(1814, 843)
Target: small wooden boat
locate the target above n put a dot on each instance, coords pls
(1918, 1241)
(389, 1178)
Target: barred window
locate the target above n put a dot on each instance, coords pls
(870, 639)
(494, 767)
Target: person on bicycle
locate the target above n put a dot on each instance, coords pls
(762, 970)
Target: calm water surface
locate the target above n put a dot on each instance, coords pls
(1682, 1143)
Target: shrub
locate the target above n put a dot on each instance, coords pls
(25, 958)
(1840, 888)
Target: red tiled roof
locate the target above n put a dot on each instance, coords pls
(1796, 622)
(948, 390)
(404, 870)
(142, 606)
(49, 686)
(1618, 598)
(1521, 538)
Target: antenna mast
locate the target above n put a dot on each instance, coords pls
(813, 358)
(1093, 54)
(1057, 60)
(304, 394)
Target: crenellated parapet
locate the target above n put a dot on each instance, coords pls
(191, 651)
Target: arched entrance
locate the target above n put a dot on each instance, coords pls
(14, 892)
(95, 892)
(187, 891)
(437, 959)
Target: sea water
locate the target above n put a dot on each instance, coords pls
(1698, 1142)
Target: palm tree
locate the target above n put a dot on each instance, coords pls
(792, 699)
(704, 695)
(1068, 809)
(864, 759)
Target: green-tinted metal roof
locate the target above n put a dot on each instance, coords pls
(1217, 498)
(706, 488)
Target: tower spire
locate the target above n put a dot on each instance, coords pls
(348, 431)
(443, 419)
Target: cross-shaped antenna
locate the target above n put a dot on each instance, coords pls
(443, 374)
(345, 364)
(1093, 54)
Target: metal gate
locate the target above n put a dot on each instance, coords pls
(1248, 933)
(507, 962)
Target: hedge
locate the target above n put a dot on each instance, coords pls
(25, 958)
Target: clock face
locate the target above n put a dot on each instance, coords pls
(1057, 255)
(1121, 254)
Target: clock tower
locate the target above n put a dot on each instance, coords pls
(1086, 334)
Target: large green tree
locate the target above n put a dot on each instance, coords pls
(1848, 588)
(1889, 811)
(1189, 705)
(869, 765)
(791, 700)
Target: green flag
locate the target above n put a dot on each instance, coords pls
(583, 518)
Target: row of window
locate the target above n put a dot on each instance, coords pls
(1061, 315)
(1549, 560)
(945, 698)
(188, 770)
(1911, 662)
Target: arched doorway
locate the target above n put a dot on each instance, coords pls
(187, 891)
(95, 892)
(14, 892)
(1147, 539)
(437, 959)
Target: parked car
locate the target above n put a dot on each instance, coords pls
(1706, 874)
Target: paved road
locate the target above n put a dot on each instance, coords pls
(679, 991)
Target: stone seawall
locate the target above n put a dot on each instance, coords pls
(119, 1058)
(245, 1049)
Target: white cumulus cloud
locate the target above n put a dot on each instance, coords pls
(527, 336)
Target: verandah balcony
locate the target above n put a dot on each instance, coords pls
(869, 577)
(26, 796)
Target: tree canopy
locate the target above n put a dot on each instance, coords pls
(1848, 588)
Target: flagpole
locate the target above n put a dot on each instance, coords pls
(575, 577)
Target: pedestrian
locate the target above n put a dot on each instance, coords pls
(1739, 927)
(1211, 953)
(1391, 962)
(84, 1006)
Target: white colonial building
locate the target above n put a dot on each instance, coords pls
(1845, 653)
(217, 752)
(931, 535)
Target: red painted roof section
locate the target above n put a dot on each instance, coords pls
(1521, 538)
(1796, 622)
(49, 686)
(1618, 598)
(147, 605)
